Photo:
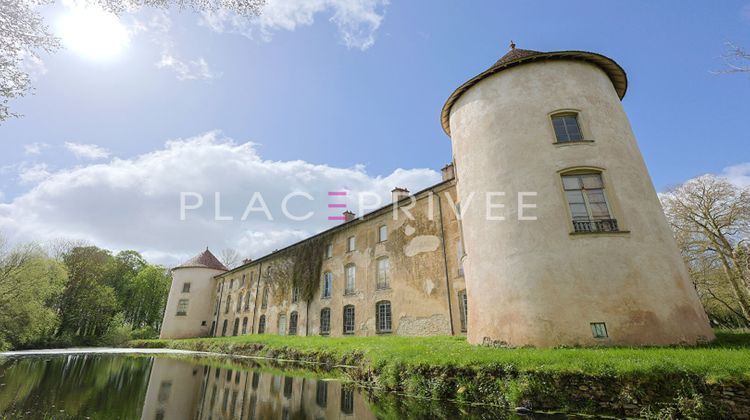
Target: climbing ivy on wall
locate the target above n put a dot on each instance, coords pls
(300, 267)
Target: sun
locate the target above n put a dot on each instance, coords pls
(93, 33)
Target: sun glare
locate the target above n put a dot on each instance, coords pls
(93, 34)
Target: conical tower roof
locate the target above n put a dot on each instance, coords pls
(518, 56)
(203, 260)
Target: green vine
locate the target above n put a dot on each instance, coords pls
(300, 267)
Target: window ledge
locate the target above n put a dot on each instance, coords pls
(611, 233)
(325, 298)
(383, 289)
(572, 142)
(354, 293)
(384, 332)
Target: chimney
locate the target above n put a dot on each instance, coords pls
(448, 172)
(348, 216)
(247, 261)
(398, 193)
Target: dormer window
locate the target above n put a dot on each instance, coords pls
(566, 127)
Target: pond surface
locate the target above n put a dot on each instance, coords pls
(170, 386)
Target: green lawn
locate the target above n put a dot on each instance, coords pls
(727, 358)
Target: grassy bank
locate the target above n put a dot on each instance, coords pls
(617, 380)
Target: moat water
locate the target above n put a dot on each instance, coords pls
(173, 385)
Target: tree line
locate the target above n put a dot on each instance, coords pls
(70, 294)
(711, 221)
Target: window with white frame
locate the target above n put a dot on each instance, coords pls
(382, 233)
(329, 251)
(351, 279)
(566, 127)
(383, 316)
(351, 244)
(383, 275)
(587, 201)
(327, 285)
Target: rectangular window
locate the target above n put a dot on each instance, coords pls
(462, 301)
(321, 393)
(182, 307)
(329, 251)
(351, 244)
(349, 319)
(347, 400)
(599, 330)
(264, 300)
(295, 294)
(293, 323)
(566, 128)
(383, 280)
(588, 203)
(383, 315)
(327, 285)
(351, 279)
(382, 233)
(325, 321)
(185, 287)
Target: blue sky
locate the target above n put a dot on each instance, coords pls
(341, 83)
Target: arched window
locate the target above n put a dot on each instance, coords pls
(236, 328)
(229, 304)
(587, 201)
(282, 325)
(244, 325)
(351, 279)
(264, 301)
(224, 328)
(262, 324)
(383, 316)
(239, 303)
(349, 319)
(383, 278)
(566, 127)
(325, 321)
(247, 301)
(327, 285)
(293, 323)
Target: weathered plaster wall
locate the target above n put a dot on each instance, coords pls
(197, 322)
(418, 290)
(533, 282)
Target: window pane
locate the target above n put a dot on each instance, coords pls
(574, 197)
(578, 211)
(382, 233)
(571, 183)
(592, 181)
(560, 133)
(599, 211)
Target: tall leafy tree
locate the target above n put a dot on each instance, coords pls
(30, 284)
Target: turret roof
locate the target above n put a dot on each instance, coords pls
(203, 260)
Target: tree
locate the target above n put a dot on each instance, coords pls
(30, 283)
(23, 34)
(88, 304)
(711, 219)
(230, 257)
(148, 292)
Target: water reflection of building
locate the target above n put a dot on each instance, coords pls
(181, 390)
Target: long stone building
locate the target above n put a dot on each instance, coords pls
(565, 242)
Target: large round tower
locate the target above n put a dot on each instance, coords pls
(599, 265)
(188, 310)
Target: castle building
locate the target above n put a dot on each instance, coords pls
(584, 256)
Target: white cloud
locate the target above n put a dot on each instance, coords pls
(357, 20)
(87, 151)
(158, 26)
(738, 174)
(191, 70)
(34, 148)
(135, 203)
(33, 173)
